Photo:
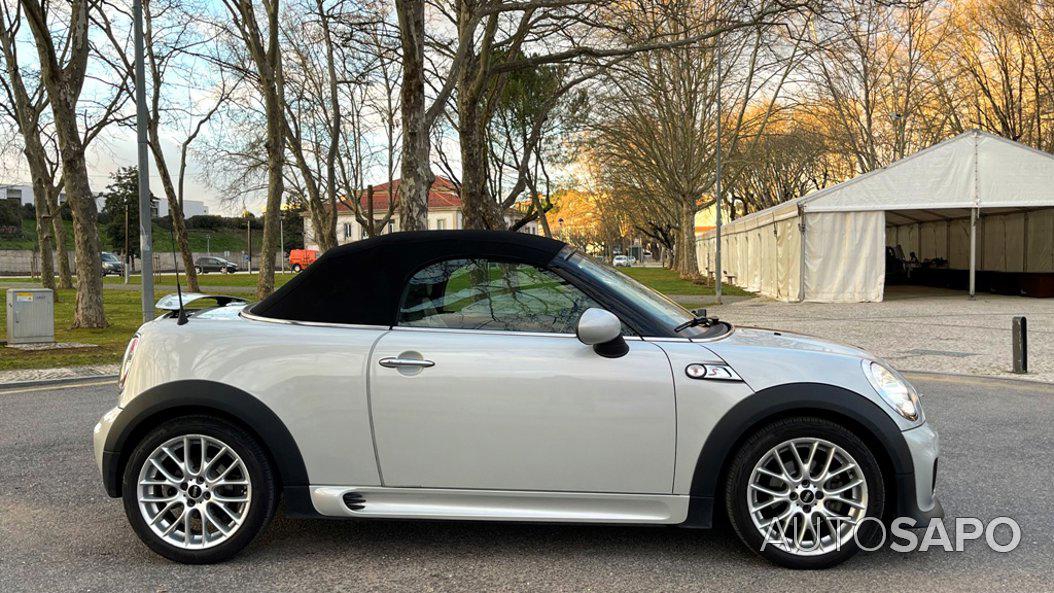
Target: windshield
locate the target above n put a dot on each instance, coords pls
(109, 257)
(657, 305)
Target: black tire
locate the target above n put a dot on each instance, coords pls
(296, 268)
(198, 270)
(768, 437)
(263, 499)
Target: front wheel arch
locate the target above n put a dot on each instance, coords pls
(195, 397)
(859, 414)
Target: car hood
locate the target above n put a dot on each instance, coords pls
(765, 358)
(759, 337)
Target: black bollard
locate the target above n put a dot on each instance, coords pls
(1020, 332)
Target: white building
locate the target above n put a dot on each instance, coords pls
(190, 208)
(24, 194)
(444, 213)
(21, 192)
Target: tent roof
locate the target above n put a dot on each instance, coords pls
(973, 169)
(944, 181)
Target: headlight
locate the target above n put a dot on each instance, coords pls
(896, 392)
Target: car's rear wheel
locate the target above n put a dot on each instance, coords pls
(805, 493)
(198, 270)
(198, 489)
(296, 268)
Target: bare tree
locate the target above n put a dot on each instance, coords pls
(172, 36)
(264, 49)
(25, 110)
(63, 66)
(656, 137)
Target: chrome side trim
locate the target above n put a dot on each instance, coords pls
(501, 505)
(253, 317)
(476, 332)
(492, 332)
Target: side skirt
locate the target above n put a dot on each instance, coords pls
(498, 505)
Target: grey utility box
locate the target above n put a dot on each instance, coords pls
(30, 316)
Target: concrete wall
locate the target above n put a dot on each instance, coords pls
(25, 262)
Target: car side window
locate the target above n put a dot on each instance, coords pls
(492, 295)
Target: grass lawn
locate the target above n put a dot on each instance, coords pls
(241, 281)
(668, 282)
(123, 313)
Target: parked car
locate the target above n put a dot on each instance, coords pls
(622, 261)
(301, 258)
(477, 375)
(204, 265)
(111, 264)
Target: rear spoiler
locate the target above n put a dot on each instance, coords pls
(170, 302)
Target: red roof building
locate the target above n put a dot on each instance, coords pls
(443, 194)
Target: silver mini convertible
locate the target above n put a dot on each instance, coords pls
(504, 377)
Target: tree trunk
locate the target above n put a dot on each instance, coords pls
(415, 167)
(44, 243)
(479, 207)
(275, 188)
(175, 210)
(59, 229)
(687, 263)
(88, 312)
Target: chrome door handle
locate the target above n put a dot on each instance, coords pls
(393, 362)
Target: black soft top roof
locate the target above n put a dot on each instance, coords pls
(362, 282)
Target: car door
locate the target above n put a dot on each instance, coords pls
(482, 384)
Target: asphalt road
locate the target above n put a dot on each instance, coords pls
(59, 531)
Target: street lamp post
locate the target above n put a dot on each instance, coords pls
(717, 163)
(146, 250)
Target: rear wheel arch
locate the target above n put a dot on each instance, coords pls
(195, 397)
(858, 414)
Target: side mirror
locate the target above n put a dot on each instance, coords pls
(603, 331)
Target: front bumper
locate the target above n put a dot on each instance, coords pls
(106, 460)
(916, 491)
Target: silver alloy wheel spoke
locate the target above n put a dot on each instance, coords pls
(815, 509)
(184, 481)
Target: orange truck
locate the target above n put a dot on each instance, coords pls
(301, 258)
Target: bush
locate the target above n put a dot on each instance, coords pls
(10, 219)
(208, 222)
(29, 212)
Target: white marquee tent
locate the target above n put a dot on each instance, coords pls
(980, 201)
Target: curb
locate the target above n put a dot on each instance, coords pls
(1007, 379)
(58, 382)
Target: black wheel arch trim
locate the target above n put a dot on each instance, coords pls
(194, 397)
(792, 399)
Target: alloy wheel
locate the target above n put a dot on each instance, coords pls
(194, 491)
(807, 496)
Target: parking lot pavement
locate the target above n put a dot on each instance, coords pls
(59, 531)
(920, 329)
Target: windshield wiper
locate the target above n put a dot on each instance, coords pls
(699, 318)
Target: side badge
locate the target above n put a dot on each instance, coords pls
(713, 372)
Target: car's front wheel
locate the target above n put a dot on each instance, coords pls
(296, 268)
(805, 493)
(198, 489)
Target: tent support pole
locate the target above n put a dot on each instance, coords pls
(973, 252)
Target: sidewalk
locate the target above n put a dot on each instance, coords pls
(920, 329)
(81, 372)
